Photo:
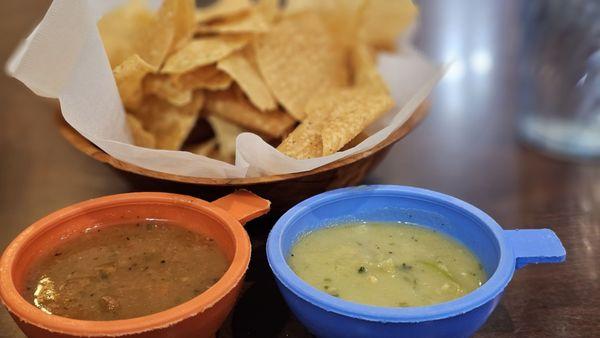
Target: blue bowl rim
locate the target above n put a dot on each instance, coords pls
(480, 296)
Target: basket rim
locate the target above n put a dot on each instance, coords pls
(85, 146)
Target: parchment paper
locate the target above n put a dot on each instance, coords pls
(64, 58)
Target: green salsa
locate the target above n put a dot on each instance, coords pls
(386, 264)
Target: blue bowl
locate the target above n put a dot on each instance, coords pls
(500, 251)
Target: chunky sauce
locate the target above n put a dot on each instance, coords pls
(125, 271)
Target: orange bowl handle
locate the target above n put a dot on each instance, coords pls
(243, 205)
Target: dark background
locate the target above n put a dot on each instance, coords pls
(467, 147)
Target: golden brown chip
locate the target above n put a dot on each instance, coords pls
(220, 81)
(250, 22)
(346, 113)
(156, 42)
(129, 76)
(249, 80)
(206, 148)
(221, 9)
(141, 137)
(364, 68)
(181, 15)
(203, 51)
(305, 141)
(226, 134)
(122, 28)
(169, 124)
(166, 88)
(208, 77)
(334, 120)
(236, 109)
(298, 57)
(342, 17)
(269, 9)
(384, 20)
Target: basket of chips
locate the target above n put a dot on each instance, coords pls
(290, 101)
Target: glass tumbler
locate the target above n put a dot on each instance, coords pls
(559, 70)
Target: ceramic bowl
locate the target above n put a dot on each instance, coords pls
(199, 317)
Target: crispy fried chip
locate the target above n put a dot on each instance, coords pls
(181, 15)
(169, 124)
(317, 58)
(236, 109)
(202, 52)
(178, 89)
(141, 137)
(269, 9)
(384, 20)
(221, 9)
(208, 77)
(165, 87)
(240, 68)
(226, 134)
(364, 68)
(346, 113)
(122, 28)
(342, 17)
(334, 120)
(133, 29)
(250, 22)
(129, 76)
(305, 141)
(298, 57)
(156, 42)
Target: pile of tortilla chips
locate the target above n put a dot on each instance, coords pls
(302, 76)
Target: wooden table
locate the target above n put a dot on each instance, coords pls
(466, 148)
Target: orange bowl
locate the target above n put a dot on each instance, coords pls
(199, 317)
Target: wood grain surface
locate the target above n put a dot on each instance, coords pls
(467, 147)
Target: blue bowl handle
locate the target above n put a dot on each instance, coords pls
(533, 246)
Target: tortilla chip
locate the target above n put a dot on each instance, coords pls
(129, 76)
(305, 141)
(250, 22)
(343, 17)
(181, 15)
(156, 42)
(236, 109)
(202, 52)
(298, 57)
(221, 9)
(334, 120)
(141, 137)
(269, 10)
(249, 80)
(121, 28)
(164, 87)
(226, 134)
(384, 20)
(169, 124)
(208, 77)
(206, 148)
(364, 68)
(346, 112)
(134, 29)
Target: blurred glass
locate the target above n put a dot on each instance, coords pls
(560, 76)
